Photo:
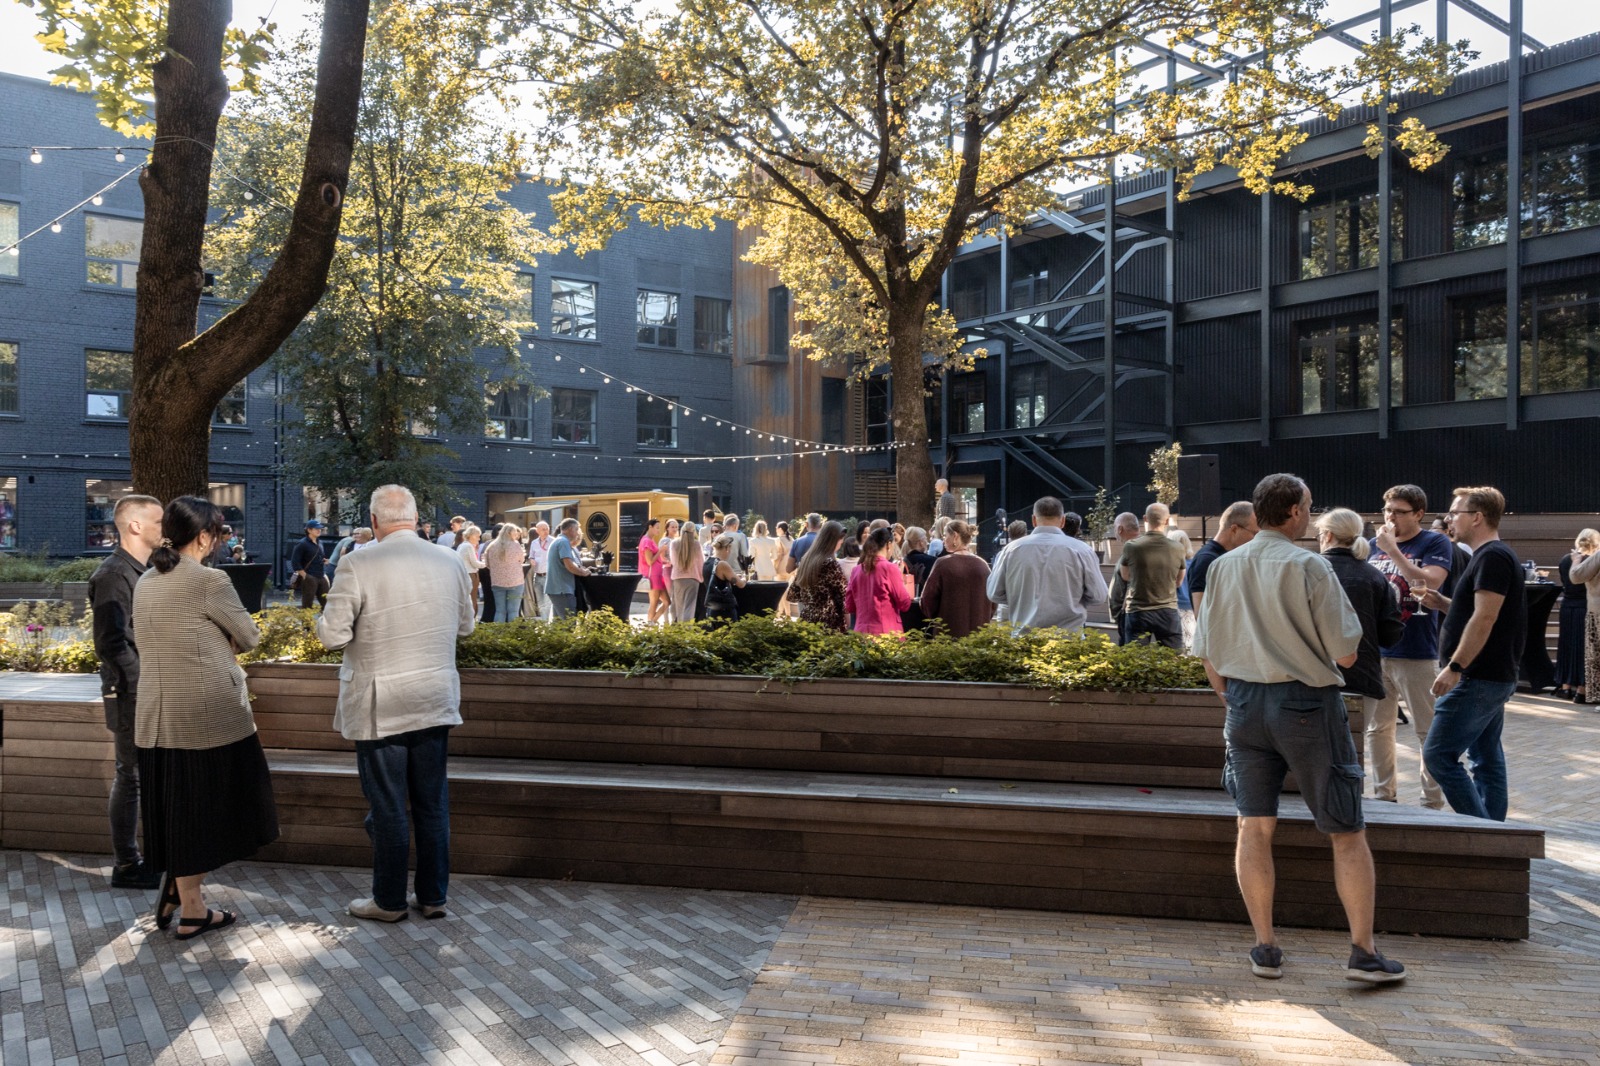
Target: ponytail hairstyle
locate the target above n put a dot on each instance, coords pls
(181, 525)
(874, 547)
(819, 555)
(1346, 528)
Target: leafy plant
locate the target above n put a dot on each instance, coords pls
(1163, 466)
(289, 634)
(1097, 523)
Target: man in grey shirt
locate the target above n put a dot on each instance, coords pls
(1047, 578)
(1274, 629)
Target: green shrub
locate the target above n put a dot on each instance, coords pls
(71, 657)
(75, 570)
(37, 567)
(289, 634)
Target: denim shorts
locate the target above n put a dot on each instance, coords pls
(1273, 729)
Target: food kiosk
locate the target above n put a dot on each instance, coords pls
(609, 521)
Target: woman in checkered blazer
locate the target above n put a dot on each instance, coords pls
(207, 794)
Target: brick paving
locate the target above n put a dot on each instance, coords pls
(561, 973)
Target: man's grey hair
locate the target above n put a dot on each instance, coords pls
(813, 521)
(1048, 507)
(1126, 520)
(1157, 514)
(392, 505)
(568, 523)
(942, 485)
(1239, 513)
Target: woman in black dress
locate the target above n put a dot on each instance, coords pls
(722, 606)
(1340, 538)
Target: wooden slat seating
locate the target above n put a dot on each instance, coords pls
(965, 730)
(975, 794)
(1095, 848)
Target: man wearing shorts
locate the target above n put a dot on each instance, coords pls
(1274, 629)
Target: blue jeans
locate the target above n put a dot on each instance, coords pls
(1468, 719)
(393, 770)
(507, 602)
(563, 604)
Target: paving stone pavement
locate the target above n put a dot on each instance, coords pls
(551, 972)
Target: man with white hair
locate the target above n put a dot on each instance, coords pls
(397, 608)
(947, 506)
(1124, 527)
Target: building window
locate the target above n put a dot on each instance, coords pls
(1479, 344)
(1563, 188)
(835, 400)
(1340, 233)
(879, 410)
(8, 512)
(229, 498)
(713, 325)
(778, 320)
(518, 308)
(572, 416)
(1339, 366)
(1566, 338)
(10, 230)
(230, 412)
(658, 318)
(509, 406)
(499, 506)
(9, 401)
(572, 308)
(967, 395)
(100, 501)
(658, 421)
(108, 383)
(111, 246)
(1478, 203)
(1030, 392)
(1030, 290)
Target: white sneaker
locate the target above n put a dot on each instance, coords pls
(368, 908)
(427, 910)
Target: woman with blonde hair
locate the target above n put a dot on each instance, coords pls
(1340, 535)
(504, 559)
(687, 563)
(1582, 568)
(956, 594)
(722, 577)
(467, 549)
(664, 553)
(766, 551)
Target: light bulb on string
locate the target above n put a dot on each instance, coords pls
(248, 195)
(606, 380)
(55, 227)
(119, 156)
(98, 200)
(558, 357)
(35, 156)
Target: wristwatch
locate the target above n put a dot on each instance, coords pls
(1455, 667)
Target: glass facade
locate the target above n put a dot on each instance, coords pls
(108, 383)
(713, 325)
(10, 230)
(509, 407)
(100, 502)
(572, 416)
(657, 421)
(658, 318)
(1339, 366)
(1030, 394)
(1560, 338)
(1340, 232)
(10, 403)
(968, 393)
(111, 249)
(572, 309)
(231, 411)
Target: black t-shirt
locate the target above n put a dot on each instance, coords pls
(1492, 568)
(1209, 553)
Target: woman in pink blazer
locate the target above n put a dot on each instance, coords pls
(877, 591)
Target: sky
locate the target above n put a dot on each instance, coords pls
(1548, 21)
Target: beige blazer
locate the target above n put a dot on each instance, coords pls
(1586, 573)
(191, 688)
(397, 608)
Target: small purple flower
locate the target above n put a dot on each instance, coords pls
(34, 627)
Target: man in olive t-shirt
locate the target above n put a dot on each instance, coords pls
(1152, 566)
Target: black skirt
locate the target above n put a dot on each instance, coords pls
(1569, 643)
(205, 808)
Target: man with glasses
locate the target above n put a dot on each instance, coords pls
(1412, 559)
(1485, 624)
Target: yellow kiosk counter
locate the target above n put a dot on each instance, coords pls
(609, 521)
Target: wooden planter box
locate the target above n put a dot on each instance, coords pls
(935, 729)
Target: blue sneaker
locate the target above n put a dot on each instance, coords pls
(1373, 968)
(1266, 960)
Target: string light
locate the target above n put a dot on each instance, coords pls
(35, 156)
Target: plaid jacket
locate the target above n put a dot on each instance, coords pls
(191, 688)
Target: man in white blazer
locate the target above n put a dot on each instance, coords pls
(397, 608)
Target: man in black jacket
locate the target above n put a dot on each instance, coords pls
(138, 522)
(307, 562)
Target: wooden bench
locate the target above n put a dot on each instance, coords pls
(1171, 739)
(1094, 848)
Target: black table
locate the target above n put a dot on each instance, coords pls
(610, 591)
(249, 580)
(1536, 671)
(759, 597)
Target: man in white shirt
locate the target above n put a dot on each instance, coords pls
(1047, 578)
(539, 568)
(741, 543)
(448, 538)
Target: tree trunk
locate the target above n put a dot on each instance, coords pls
(178, 378)
(913, 467)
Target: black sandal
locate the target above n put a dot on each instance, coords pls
(204, 925)
(168, 898)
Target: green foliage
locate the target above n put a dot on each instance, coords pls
(289, 634)
(37, 567)
(75, 570)
(1163, 466)
(427, 266)
(43, 614)
(1097, 523)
